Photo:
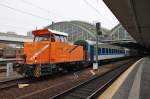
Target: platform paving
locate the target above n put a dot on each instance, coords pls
(137, 84)
(145, 80)
(133, 84)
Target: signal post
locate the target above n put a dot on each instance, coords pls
(98, 33)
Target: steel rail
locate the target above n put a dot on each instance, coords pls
(75, 91)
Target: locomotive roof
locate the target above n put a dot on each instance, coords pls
(47, 31)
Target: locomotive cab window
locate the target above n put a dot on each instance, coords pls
(52, 38)
(57, 38)
(41, 38)
(60, 38)
(65, 38)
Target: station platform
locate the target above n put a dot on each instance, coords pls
(134, 83)
(4, 77)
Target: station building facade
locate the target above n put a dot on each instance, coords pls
(78, 30)
(119, 33)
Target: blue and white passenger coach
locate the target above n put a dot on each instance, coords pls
(105, 51)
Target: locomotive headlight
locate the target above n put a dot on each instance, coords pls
(35, 60)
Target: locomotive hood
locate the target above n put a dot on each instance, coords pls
(34, 52)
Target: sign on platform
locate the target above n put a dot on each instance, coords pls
(9, 70)
(95, 66)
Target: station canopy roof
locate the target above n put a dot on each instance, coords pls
(134, 16)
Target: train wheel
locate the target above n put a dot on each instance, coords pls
(37, 71)
(20, 70)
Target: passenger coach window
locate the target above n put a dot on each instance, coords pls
(106, 50)
(103, 50)
(113, 51)
(109, 51)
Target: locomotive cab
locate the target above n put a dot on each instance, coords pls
(51, 37)
(44, 43)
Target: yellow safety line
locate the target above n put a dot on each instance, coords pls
(110, 92)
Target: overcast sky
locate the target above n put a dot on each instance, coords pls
(22, 16)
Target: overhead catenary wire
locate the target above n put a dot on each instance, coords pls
(13, 26)
(43, 9)
(97, 11)
(98, 1)
(24, 12)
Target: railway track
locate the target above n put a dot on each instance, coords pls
(12, 83)
(93, 87)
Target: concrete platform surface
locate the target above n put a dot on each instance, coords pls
(132, 84)
(4, 77)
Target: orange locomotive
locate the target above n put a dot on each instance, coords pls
(50, 52)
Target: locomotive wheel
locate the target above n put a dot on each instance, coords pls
(37, 71)
(20, 70)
